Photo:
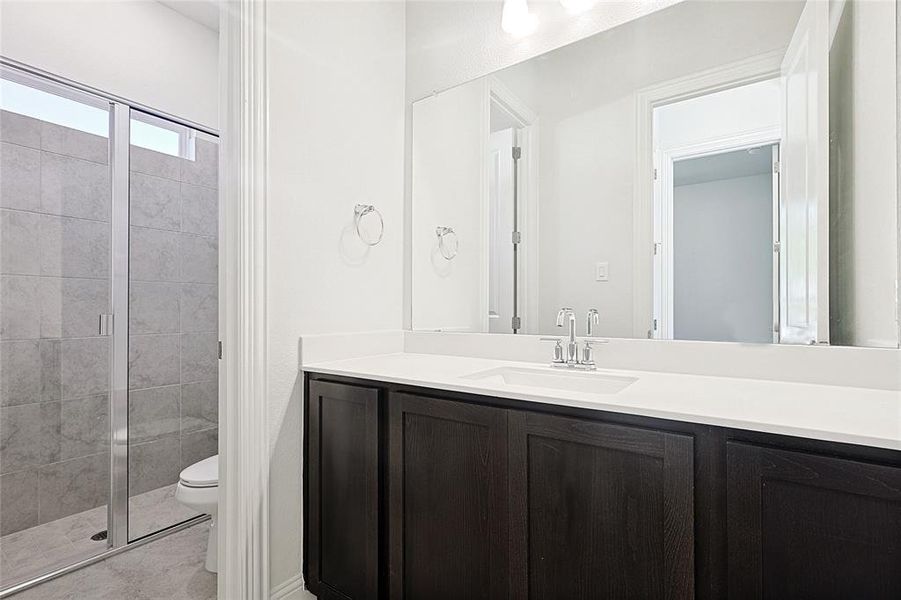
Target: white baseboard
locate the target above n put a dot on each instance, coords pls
(291, 589)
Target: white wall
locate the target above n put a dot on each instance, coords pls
(863, 177)
(137, 49)
(723, 261)
(336, 77)
(449, 140)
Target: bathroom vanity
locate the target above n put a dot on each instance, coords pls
(433, 476)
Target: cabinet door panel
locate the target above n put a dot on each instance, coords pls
(599, 510)
(343, 491)
(809, 526)
(447, 497)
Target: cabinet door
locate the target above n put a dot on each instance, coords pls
(342, 454)
(809, 526)
(447, 497)
(599, 510)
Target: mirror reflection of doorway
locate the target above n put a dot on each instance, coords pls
(723, 211)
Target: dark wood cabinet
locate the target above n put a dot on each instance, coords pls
(422, 494)
(342, 491)
(599, 510)
(811, 526)
(447, 500)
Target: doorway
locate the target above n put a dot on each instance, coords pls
(724, 208)
(108, 322)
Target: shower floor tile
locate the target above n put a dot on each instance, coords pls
(170, 568)
(32, 552)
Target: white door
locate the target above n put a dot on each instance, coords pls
(500, 230)
(804, 181)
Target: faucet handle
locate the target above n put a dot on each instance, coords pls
(558, 347)
(594, 318)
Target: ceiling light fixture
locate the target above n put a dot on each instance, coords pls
(575, 7)
(516, 18)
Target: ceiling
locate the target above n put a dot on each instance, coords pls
(728, 165)
(205, 12)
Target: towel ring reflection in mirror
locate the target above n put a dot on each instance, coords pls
(447, 242)
(360, 212)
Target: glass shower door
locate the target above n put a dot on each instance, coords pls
(173, 315)
(55, 283)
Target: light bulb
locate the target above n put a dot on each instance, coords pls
(575, 7)
(516, 18)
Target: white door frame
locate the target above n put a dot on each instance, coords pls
(663, 215)
(744, 72)
(527, 139)
(243, 402)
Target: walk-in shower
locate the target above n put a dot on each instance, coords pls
(108, 320)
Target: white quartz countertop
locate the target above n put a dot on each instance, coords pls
(851, 415)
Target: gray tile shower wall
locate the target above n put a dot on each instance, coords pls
(173, 314)
(54, 281)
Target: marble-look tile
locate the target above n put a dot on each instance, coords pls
(199, 357)
(199, 307)
(18, 232)
(153, 413)
(72, 486)
(19, 499)
(199, 259)
(153, 307)
(51, 370)
(74, 247)
(84, 427)
(199, 210)
(70, 307)
(199, 406)
(21, 373)
(155, 510)
(20, 185)
(29, 435)
(198, 445)
(153, 361)
(72, 187)
(20, 310)
(84, 367)
(204, 169)
(154, 255)
(153, 464)
(136, 574)
(142, 160)
(72, 142)
(19, 129)
(154, 202)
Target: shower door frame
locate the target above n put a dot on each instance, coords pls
(117, 325)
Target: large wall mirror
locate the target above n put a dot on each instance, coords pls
(722, 171)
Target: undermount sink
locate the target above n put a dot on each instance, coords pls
(569, 381)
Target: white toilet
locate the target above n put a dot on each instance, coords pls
(198, 489)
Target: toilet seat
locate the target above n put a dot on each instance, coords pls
(203, 474)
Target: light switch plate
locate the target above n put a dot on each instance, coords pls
(602, 272)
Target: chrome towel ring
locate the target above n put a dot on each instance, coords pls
(360, 212)
(447, 242)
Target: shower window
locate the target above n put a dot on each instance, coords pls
(108, 321)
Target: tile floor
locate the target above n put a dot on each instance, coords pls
(170, 568)
(32, 552)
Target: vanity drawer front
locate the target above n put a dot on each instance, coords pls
(811, 526)
(342, 541)
(447, 499)
(599, 510)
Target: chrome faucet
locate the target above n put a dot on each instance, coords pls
(572, 348)
(573, 358)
